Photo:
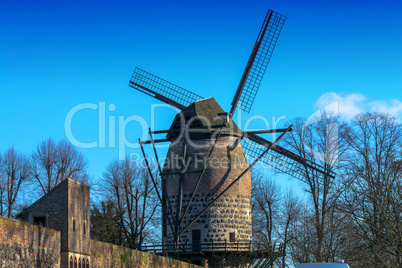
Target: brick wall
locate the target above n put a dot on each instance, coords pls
(28, 245)
(108, 255)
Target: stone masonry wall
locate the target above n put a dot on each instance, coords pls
(78, 211)
(67, 205)
(26, 245)
(53, 206)
(231, 213)
(109, 255)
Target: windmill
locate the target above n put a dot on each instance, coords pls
(205, 206)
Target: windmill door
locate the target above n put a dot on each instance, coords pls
(196, 240)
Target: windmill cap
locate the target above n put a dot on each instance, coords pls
(205, 113)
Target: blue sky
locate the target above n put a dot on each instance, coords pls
(55, 55)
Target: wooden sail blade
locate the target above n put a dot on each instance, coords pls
(258, 61)
(162, 90)
(281, 159)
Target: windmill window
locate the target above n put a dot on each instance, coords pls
(232, 237)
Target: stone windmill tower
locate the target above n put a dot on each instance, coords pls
(206, 180)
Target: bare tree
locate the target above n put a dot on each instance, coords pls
(290, 213)
(322, 142)
(14, 171)
(266, 200)
(302, 236)
(2, 186)
(132, 190)
(54, 162)
(374, 201)
(104, 223)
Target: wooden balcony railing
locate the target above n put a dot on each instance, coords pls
(194, 248)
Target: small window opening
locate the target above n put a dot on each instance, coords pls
(196, 237)
(40, 221)
(232, 237)
(84, 227)
(73, 225)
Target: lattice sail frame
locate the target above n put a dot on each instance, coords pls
(282, 159)
(161, 89)
(267, 44)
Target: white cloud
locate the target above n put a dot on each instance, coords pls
(350, 104)
(393, 107)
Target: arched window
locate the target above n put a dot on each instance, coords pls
(79, 263)
(71, 262)
(87, 264)
(75, 262)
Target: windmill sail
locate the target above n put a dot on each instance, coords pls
(161, 89)
(280, 158)
(258, 61)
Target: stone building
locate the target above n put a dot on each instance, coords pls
(66, 209)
